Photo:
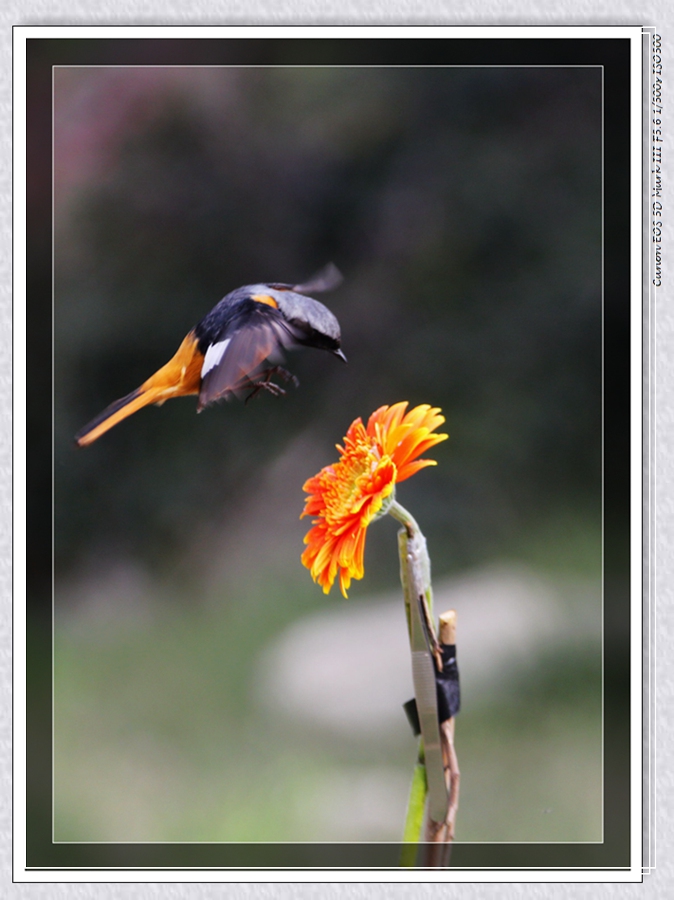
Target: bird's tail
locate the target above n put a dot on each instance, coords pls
(113, 414)
(179, 377)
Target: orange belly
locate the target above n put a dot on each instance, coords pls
(180, 376)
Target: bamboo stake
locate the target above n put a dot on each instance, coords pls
(439, 835)
(452, 773)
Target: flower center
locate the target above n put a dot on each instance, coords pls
(360, 483)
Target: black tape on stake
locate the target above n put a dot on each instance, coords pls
(447, 683)
(412, 714)
(448, 689)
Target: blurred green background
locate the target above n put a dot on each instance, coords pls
(204, 688)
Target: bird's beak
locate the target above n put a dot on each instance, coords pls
(340, 355)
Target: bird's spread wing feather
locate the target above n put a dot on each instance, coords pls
(230, 362)
(326, 280)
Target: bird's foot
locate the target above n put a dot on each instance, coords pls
(287, 376)
(268, 385)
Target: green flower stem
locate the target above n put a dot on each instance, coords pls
(414, 566)
(412, 546)
(415, 812)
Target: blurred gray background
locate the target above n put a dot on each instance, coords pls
(205, 689)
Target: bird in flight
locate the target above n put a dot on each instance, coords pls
(235, 348)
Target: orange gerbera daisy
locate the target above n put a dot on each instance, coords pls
(346, 496)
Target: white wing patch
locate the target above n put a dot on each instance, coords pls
(214, 356)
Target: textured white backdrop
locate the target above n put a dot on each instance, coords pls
(352, 12)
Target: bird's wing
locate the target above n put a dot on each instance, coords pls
(327, 279)
(234, 358)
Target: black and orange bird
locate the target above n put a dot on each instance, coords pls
(236, 347)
